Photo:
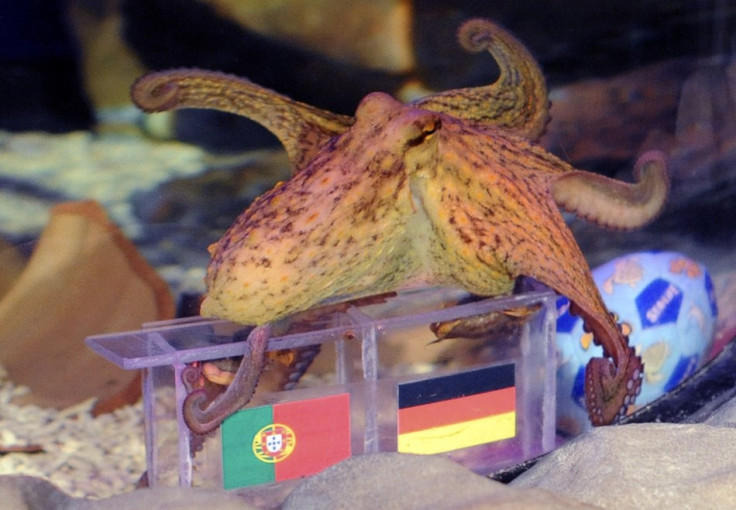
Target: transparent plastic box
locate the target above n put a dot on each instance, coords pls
(381, 381)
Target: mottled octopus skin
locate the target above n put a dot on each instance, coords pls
(449, 190)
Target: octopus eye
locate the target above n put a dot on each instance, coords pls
(423, 132)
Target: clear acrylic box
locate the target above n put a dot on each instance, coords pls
(381, 380)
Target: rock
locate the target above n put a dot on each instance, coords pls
(12, 262)
(643, 466)
(84, 277)
(632, 466)
(620, 112)
(205, 37)
(29, 493)
(706, 122)
(400, 481)
(724, 416)
(169, 498)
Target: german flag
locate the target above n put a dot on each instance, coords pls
(457, 411)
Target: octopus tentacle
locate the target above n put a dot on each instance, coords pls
(613, 382)
(516, 101)
(202, 417)
(190, 378)
(466, 220)
(301, 128)
(615, 204)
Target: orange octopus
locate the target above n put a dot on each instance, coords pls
(451, 189)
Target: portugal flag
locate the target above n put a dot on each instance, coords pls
(456, 411)
(283, 441)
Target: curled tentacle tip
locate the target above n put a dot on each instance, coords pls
(191, 377)
(653, 162)
(610, 390)
(475, 34)
(154, 93)
(653, 156)
(195, 414)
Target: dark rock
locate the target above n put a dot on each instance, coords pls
(619, 115)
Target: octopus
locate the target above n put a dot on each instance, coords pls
(452, 189)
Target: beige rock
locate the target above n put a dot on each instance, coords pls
(724, 416)
(645, 466)
(84, 278)
(394, 481)
(167, 499)
(11, 266)
(30, 493)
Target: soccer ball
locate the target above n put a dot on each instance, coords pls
(666, 304)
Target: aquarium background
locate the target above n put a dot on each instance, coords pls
(623, 77)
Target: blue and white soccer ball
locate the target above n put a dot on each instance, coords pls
(665, 302)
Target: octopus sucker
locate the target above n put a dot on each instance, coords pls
(610, 388)
(452, 189)
(157, 96)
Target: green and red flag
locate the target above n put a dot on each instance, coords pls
(451, 412)
(283, 441)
